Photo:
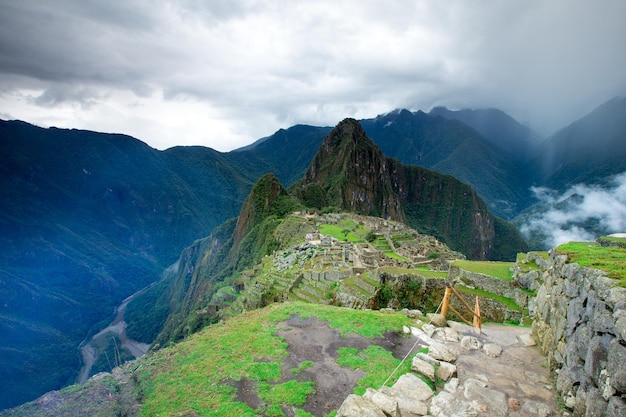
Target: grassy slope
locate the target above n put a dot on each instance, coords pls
(191, 376)
(612, 260)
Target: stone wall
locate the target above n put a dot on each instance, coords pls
(580, 324)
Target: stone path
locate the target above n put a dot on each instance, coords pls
(495, 373)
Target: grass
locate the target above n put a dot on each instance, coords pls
(377, 362)
(426, 273)
(511, 305)
(339, 233)
(500, 270)
(196, 376)
(612, 260)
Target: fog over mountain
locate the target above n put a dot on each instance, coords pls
(581, 213)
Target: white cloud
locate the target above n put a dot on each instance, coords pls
(229, 72)
(580, 213)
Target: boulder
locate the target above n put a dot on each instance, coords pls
(357, 406)
(617, 366)
(470, 343)
(385, 399)
(493, 400)
(409, 385)
(447, 405)
(492, 349)
(616, 408)
(445, 371)
(443, 352)
(437, 319)
(423, 367)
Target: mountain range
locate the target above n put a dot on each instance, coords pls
(89, 218)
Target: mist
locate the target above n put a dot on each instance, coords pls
(582, 213)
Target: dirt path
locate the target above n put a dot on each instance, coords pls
(117, 327)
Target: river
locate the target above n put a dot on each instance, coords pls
(118, 327)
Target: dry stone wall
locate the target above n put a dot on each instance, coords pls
(580, 324)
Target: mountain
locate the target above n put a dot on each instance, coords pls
(589, 150)
(348, 173)
(451, 147)
(507, 134)
(357, 177)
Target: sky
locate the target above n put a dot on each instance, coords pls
(224, 73)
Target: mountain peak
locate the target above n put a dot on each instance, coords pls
(352, 171)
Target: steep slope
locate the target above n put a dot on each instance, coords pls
(587, 151)
(356, 176)
(237, 244)
(451, 147)
(86, 220)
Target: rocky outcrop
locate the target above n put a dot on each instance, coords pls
(580, 324)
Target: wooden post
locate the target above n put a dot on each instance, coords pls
(477, 323)
(446, 301)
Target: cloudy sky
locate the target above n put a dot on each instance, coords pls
(223, 73)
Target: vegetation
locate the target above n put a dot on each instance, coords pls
(199, 376)
(612, 260)
(502, 270)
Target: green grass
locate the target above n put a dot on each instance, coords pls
(376, 361)
(304, 365)
(426, 273)
(193, 376)
(612, 260)
(500, 270)
(340, 233)
(511, 305)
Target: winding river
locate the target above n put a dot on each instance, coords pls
(118, 327)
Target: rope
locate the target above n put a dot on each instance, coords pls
(409, 352)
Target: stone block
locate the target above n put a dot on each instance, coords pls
(495, 401)
(445, 371)
(437, 319)
(470, 343)
(617, 366)
(597, 356)
(409, 385)
(596, 405)
(492, 349)
(385, 399)
(616, 407)
(446, 404)
(423, 367)
(527, 340)
(452, 385)
(443, 352)
(357, 406)
(535, 409)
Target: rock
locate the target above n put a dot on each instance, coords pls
(470, 343)
(413, 314)
(527, 340)
(437, 319)
(409, 385)
(421, 335)
(514, 404)
(442, 352)
(492, 400)
(493, 350)
(427, 358)
(447, 405)
(617, 366)
(597, 356)
(385, 399)
(535, 409)
(423, 367)
(616, 408)
(406, 330)
(429, 329)
(452, 385)
(357, 406)
(445, 371)
(446, 334)
(596, 405)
